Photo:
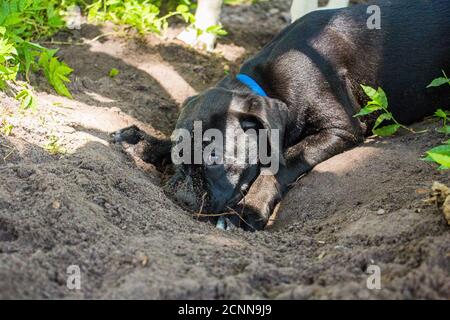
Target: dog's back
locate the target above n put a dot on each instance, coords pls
(407, 51)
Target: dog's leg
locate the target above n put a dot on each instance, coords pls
(143, 146)
(207, 15)
(267, 190)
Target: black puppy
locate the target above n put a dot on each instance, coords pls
(306, 84)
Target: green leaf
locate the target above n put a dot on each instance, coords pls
(370, 92)
(182, 8)
(378, 96)
(381, 118)
(427, 159)
(440, 155)
(370, 108)
(443, 149)
(443, 160)
(444, 130)
(6, 128)
(382, 98)
(27, 100)
(440, 114)
(217, 30)
(113, 72)
(438, 82)
(387, 130)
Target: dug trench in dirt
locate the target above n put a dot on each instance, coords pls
(79, 200)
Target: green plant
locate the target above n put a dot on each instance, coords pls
(114, 72)
(444, 115)
(440, 81)
(53, 147)
(55, 71)
(217, 30)
(21, 22)
(8, 54)
(6, 128)
(143, 15)
(441, 154)
(379, 103)
(27, 100)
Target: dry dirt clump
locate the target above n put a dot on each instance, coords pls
(440, 196)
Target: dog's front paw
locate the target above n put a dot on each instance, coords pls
(140, 145)
(130, 135)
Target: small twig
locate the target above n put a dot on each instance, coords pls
(295, 182)
(421, 131)
(102, 36)
(9, 154)
(234, 211)
(203, 203)
(213, 214)
(73, 43)
(63, 43)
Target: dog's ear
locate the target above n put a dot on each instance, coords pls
(271, 113)
(188, 100)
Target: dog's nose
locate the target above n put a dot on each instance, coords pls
(131, 135)
(181, 187)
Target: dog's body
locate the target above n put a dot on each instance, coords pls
(312, 73)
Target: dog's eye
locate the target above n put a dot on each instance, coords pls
(249, 124)
(213, 159)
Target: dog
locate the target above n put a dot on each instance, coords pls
(305, 84)
(208, 15)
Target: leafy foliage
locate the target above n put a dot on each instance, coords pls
(441, 154)
(22, 21)
(8, 54)
(444, 115)
(53, 146)
(379, 102)
(55, 71)
(144, 15)
(439, 81)
(27, 100)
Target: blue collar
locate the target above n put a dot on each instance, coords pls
(251, 84)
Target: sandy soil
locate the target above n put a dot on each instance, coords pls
(94, 207)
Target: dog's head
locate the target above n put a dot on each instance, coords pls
(217, 146)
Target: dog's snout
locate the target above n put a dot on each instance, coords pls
(182, 188)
